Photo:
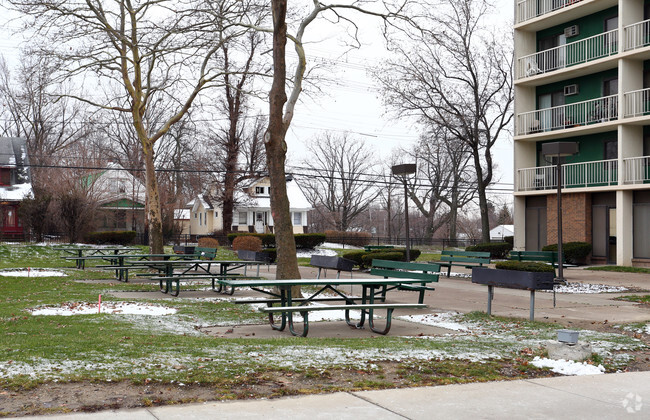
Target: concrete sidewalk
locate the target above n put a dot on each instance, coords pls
(612, 396)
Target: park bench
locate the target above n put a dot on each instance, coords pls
(333, 263)
(467, 259)
(428, 273)
(370, 248)
(202, 253)
(540, 256)
(366, 308)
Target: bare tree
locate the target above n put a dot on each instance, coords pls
(152, 49)
(342, 181)
(31, 110)
(444, 178)
(455, 73)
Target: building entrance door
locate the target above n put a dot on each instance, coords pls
(604, 232)
(260, 221)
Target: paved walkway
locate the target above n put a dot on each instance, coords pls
(613, 396)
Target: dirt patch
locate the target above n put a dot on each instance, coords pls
(52, 398)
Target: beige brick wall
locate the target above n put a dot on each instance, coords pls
(576, 218)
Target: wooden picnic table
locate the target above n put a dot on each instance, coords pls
(280, 293)
(95, 252)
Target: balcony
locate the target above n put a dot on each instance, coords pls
(636, 170)
(637, 35)
(561, 117)
(575, 175)
(529, 9)
(588, 49)
(637, 103)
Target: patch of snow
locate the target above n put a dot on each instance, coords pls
(85, 308)
(32, 273)
(16, 192)
(442, 320)
(587, 288)
(338, 246)
(307, 253)
(568, 367)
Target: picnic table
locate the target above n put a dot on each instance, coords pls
(280, 293)
(102, 253)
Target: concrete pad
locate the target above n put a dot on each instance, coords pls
(336, 329)
(137, 414)
(331, 406)
(597, 396)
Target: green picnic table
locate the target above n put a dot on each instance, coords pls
(103, 253)
(280, 293)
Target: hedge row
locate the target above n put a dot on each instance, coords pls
(364, 258)
(574, 252)
(303, 240)
(122, 237)
(348, 238)
(498, 250)
(537, 267)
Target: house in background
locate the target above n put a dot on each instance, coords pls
(582, 75)
(121, 199)
(252, 212)
(182, 220)
(15, 184)
(499, 232)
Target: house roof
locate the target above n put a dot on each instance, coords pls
(502, 230)
(181, 214)
(297, 200)
(13, 154)
(106, 185)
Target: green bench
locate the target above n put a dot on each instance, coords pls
(428, 273)
(467, 259)
(369, 248)
(540, 256)
(167, 283)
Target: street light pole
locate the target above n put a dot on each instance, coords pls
(402, 171)
(559, 149)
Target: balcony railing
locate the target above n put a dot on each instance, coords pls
(585, 174)
(567, 116)
(588, 49)
(637, 35)
(528, 9)
(636, 170)
(637, 103)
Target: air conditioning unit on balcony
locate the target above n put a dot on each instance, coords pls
(570, 90)
(570, 31)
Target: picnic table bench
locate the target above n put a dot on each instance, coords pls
(124, 262)
(93, 253)
(467, 259)
(167, 282)
(541, 256)
(286, 308)
(427, 273)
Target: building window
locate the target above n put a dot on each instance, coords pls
(297, 218)
(243, 218)
(259, 190)
(611, 149)
(5, 176)
(200, 219)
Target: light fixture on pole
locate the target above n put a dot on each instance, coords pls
(559, 150)
(402, 171)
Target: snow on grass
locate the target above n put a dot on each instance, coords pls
(307, 253)
(443, 320)
(587, 288)
(85, 308)
(568, 367)
(32, 272)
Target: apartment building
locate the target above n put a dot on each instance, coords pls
(582, 74)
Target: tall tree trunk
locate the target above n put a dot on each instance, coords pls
(482, 201)
(276, 149)
(154, 212)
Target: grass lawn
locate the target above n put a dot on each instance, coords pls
(173, 349)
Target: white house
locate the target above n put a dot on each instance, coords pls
(501, 231)
(121, 198)
(252, 212)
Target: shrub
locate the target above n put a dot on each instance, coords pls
(268, 239)
(208, 242)
(496, 249)
(391, 256)
(348, 238)
(510, 240)
(309, 240)
(247, 243)
(356, 256)
(537, 267)
(574, 252)
(123, 237)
